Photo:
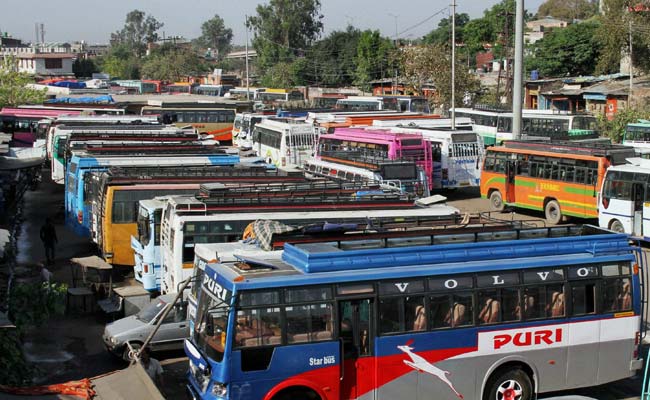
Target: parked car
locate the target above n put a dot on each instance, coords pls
(136, 328)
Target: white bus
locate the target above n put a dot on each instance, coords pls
(183, 228)
(283, 143)
(624, 200)
(457, 156)
(496, 126)
(242, 129)
(461, 123)
(368, 103)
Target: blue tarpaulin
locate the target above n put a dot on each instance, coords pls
(83, 100)
(69, 84)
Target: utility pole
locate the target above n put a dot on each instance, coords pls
(453, 65)
(629, 96)
(519, 71)
(395, 69)
(248, 95)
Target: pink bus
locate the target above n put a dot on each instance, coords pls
(370, 148)
(23, 123)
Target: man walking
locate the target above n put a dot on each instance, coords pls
(49, 239)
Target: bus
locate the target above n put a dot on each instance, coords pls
(283, 142)
(137, 86)
(418, 104)
(403, 176)
(637, 135)
(624, 200)
(77, 108)
(551, 309)
(279, 95)
(495, 126)
(146, 243)
(212, 90)
(368, 148)
(424, 121)
(560, 179)
(206, 219)
(77, 210)
(180, 88)
(457, 155)
(66, 139)
(241, 93)
(216, 122)
(23, 124)
(242, 129)
(368, 103)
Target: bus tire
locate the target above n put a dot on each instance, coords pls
(616, 226)
(553, 212)
(297, 393)
(509, 384)
(496, 201)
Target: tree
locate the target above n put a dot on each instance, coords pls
(567, 10)
(216, 36)
(570, 51)
(13, 86)
(118, 67)
(442, 34)
(431, 64)
(331, 61)
(84, 67)
(373, 58)
(284, 29)
(170, 63)
(615, 127)
(139, 30)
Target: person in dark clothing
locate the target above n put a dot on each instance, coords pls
(49, 239)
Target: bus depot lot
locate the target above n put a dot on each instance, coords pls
(71, 347)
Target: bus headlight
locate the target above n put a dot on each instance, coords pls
(219, 390)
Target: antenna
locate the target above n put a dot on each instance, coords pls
(42, 33)
(36, 33)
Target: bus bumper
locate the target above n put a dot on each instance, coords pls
(636, 364)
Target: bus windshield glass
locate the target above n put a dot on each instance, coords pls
(211, 328)
(143, 226)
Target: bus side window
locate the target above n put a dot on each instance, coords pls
(489, 163)
(489, 307)
(616, 295)
(583, 298)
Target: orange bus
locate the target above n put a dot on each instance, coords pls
(559, 178)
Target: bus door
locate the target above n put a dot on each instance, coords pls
(511, 173)
(638, 195)
(356, 337)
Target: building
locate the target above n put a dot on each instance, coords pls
(537, 28)
(44, 60)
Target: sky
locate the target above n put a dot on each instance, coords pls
(94, 20)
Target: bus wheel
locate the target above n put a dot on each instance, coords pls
(297, 393)
(553, 212)
(496, 201)
(617, 226)
(512, 384)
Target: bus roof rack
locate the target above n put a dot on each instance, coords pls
(592, 149)
(308, 188)
(204, 171)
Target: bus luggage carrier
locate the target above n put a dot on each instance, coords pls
(595, 149)
(237, 172)
(561, 240)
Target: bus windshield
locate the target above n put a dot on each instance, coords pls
(143, 226)
(211, 328)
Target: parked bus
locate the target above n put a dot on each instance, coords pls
(180, 88)
(146, 243)
(65, 139)
(283, 143)
(241, 93)
(474, 320)
(457, 156)
(624, 201)
(403, 176)
(190, 220)
(279, 95)
(496, 126)
(23, 124)
(216, 122)
(212, 90)
(368, 148)
(137, 86)
(560, 179)
(368, 103)
(77, 108)
(242, 129)
(637, 135)
(77, 211)
(410, 103)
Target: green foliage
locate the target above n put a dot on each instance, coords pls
(15, 371)
(12, 86)
(139, 29)
(570, 51)
(373, 58)
(84, 67)
(279, 75)
(615, 128)
(442, 34)
(32, 305)
(216, 36)
(485, 30)
(118, 67)
(171, 63)
(332, 60)
(284, 29)
(568, 10)
(431, 63)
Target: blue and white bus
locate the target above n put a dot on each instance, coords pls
(78, 210)
(552, 309)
